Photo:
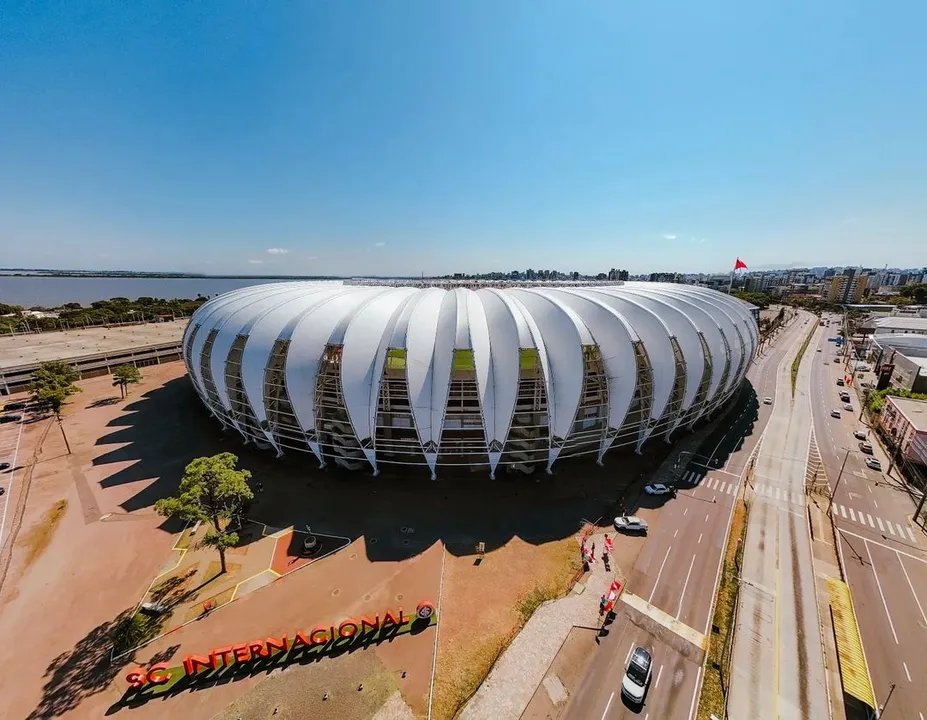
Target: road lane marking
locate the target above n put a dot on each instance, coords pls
(698, 677)
(910, 533)
(916, 599)
(881, 527)
(730, 489)
(871, 524)
(608, 705)
(659, 675)
(685, 512)
(843, 511)
(890, 528)
(628, 656)
(699, 539)
(676, 532)
(879, 544)
(906, 670)
(881, 594)
(723, 487)
(684, 586)
(706, 517)
(662, 617)
(657, 582)
(852, 514)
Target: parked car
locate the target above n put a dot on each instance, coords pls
(840, 382)
(10, 418)
(15, 406)
(836, 360)
(631, 524)
(844, 397)
(835, 413)
(637, 676)
(866, 447)
(4, 466)
(659, 489)
(848, 407)
(819, 349)
(767, 401)
(859, 434)
(873, 464)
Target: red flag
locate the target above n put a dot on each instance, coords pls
(740, 264)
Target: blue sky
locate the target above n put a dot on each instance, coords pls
(420, 136)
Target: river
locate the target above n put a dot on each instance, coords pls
(36, 291)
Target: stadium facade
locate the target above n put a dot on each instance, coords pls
(511, 376)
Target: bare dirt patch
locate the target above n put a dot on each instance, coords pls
(484, 606)
(38, 537)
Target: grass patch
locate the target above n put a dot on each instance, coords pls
(39, 536)
(801, 351)
(711, 701)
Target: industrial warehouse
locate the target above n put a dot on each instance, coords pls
(509, 375)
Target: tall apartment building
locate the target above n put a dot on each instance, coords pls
(847, 288)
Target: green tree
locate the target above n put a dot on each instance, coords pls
(212, 490)
(126, 375)
(53, 383)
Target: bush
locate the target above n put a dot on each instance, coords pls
(135, 630)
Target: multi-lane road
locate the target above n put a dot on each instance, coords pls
(884, 554)
(10, 437)
(667, 605)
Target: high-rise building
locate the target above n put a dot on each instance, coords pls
(847, 288)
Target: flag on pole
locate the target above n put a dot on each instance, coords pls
(740, 264)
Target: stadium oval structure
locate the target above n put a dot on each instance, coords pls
(514, 376)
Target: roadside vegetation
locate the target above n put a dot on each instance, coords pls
(716, 681)
(876, 398)
(801, 352)
(53, 384)
(15, 318)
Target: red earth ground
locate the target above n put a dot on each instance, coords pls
(56, 613)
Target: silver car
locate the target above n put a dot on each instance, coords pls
(631, 523)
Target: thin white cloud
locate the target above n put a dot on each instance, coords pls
(255, 262)
(380, 244)
(669, 236)
(277, 251)
(313, 257)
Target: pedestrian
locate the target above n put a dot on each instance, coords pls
(602, 605)
(593, 549)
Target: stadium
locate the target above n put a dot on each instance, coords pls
(517, 376)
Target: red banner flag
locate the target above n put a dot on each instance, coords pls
(740, 264)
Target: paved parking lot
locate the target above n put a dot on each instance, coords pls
(10, 436)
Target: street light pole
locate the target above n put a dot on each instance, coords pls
(830, 503)
(891, 689)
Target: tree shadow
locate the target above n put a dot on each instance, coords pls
(104, 402)
(399, 513)
(79, 673)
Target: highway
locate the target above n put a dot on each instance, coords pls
(11, 434)
(667, 605)
(777, 666)
(882, 552)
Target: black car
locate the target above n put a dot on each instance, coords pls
(10, 418)
(15, 406)
(4, 466)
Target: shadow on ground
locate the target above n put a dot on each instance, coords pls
(401, 512)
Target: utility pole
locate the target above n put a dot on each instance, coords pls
(830, 503)
(891, 689)
(66, 443)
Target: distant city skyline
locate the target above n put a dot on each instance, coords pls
(372, 138)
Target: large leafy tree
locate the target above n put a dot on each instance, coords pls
(53, 383)
(212, 490)
(126, 375)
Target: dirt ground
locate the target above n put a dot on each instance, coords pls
(56, 613)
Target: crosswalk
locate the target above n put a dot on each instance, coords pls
(886, 527)
(692, 477)
(719, 485)
(774, 492)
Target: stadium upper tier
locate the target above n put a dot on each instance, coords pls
(513, 376)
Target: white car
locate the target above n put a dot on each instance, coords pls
(658, 489)
(835, 413)
(848, 407)
(767, 401)
(637, 676)
(859, 434)
(873, 464)
(630, 523)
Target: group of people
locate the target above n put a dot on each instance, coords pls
(587, 552)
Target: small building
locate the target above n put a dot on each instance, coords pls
(904, 421)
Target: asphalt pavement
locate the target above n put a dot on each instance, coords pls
(668, 602)
(882, 550)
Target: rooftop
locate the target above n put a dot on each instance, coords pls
(902, 323)
(914, 410)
